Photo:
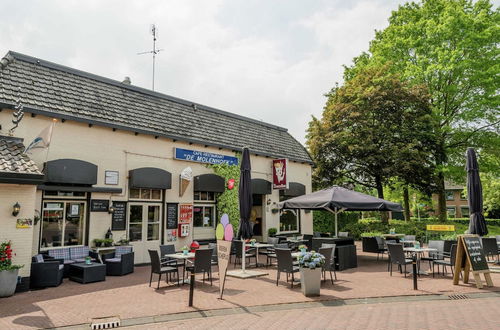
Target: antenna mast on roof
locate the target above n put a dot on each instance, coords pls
(154, 33)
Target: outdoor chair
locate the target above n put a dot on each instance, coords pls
(215, 258)
(202, 263)
(316, 234)
(343, 234)
(168, 249)
(490, 247)
(285, 264)
(450, 262)
(271, 256)
(266, 251)
(120, 262)
(332, 261)
(389, 241)
(327, 252)
(409, 240)
(45, 271)
(398, 257)
(382, 249)
(156, 268)
(434, 255)
(249, 252)
(371, 244)
(308, 241)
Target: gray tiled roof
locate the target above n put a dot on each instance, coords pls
(12, 159)
(55, 90)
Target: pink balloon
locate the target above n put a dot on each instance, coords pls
(228, 233)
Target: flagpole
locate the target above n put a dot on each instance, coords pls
(54, 120)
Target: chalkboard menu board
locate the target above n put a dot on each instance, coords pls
(172, 215)
(119, 218)
(99, 205)
(475, 253)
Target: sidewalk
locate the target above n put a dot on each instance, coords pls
(130, 296)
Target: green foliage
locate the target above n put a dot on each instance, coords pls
(324, 222)
(6, 255)
(374, 128)
(271, 232)
(228, 201)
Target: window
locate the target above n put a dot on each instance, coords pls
(135, 223)
(204, 216)
(449, 195)
(145, 194)
(452, 211)
(289, 221)
(62, 223)
(204, 196)
(465, 212)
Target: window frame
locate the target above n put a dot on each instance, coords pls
(203, 212)
(448, 208)
(449, 193)
(150, 199)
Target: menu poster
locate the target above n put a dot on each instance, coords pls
(118, 220)
(172, 216)
(185, 213)
(475, 252)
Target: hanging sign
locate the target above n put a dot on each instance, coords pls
(224, 235)
(280, 173)
(172, 216)
(118, 219)
(99, 205)
(203, 157)
(185, 213)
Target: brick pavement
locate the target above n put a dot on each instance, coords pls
(130, 297)
(454, 314)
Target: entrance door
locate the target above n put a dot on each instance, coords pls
(144, 229)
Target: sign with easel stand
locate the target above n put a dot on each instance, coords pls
(224, 235)
(470, 258)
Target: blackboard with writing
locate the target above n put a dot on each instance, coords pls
(172, 215)
(99, 205)
(475, 253)
(118, 220)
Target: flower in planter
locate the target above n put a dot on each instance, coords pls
(6, 257)
(311, 260)
(303, 248)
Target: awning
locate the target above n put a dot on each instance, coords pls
(209, 182)
(150, 177)
(294, 189)
(79, 188)
(70, 171)
(261, 187)
(20, 178)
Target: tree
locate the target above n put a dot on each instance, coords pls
(372, 129)
(450, 46)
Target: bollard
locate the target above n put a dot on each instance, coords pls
(191, 289)
(415, 272)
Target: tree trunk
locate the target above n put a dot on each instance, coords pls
(440, 161)
(406, 202)
(380, 192)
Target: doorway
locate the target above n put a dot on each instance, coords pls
(144, 229)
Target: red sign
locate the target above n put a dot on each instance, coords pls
(279, 173)
(185, 213)
(230, 184)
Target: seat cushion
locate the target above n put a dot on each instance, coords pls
(82, 259)
(114, 260)
(120, 250)
(66, 262)
(60, 253)
(79, 252)
(168, 269)
(61, 267)
(39, 258)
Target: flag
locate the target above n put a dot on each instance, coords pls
(42, 140)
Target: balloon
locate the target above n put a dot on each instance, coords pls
(228, 233)
(224, 220)
(219, 231)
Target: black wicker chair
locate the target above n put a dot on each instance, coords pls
(120, 262)
(46, 271)
(202, 263)
(285, 264)
(156, 268)
(398, 257)
(327, 253)
(490, 247)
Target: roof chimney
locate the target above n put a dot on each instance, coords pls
(126, 81)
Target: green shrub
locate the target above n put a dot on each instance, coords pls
(271, 232)
(324, 221)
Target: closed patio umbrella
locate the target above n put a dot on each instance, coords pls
(245, 198)
(477, 223)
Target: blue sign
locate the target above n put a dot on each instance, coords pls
(203, 157)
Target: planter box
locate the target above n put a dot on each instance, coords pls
(310, 281)
(8, 282)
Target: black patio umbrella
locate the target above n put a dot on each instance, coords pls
(477, 224)
(245, 196)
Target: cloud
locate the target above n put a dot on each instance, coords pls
(268, 60)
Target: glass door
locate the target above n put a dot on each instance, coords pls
(63, 223)
(144, 229)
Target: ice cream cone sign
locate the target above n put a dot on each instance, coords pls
(185, 177)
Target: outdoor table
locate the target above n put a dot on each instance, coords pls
(181, 256)
(418, 252)
(87, 273)
(257, 246)
(103, 250)
(296, 255)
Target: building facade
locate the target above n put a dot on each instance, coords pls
(457, 205)
(115, 161)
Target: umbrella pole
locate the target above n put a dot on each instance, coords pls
(336, 226)
(243, 256)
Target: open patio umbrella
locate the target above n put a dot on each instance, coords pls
(477, 224)
(338, 199)
(245, 198)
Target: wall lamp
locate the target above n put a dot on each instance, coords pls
(15, 209)
(111, 209)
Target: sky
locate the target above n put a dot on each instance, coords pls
(271, 60)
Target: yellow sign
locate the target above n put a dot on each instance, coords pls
(441, 227)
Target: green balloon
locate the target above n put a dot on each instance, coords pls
(219, 231)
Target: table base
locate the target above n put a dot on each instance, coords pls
(245, 274)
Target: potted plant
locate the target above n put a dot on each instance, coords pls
(253, 241)
(107, 242)
(271, 232)
(185, 250)
(8, 271)
(98, 242)
(310, 264)
(303, 248)
(123, 241)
